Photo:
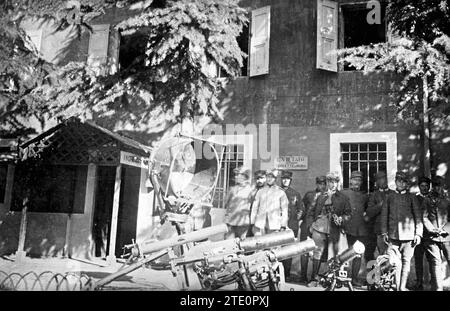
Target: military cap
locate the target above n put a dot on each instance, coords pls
(286, 174)
(356, 174)
(321, 179)
(273, 172)
(438, 181)
(424, 179)
(333, 176)
(402, 176)
(242, 170)
(260, 173)
(380, 174)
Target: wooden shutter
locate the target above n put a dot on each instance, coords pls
(35, 37)
(98, 46)
(114, 48)
(259, 43)
(327, 35)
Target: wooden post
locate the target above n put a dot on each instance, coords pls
(9, 186)
(114, 218)
(21, 253)
(66, 250)
(426, 131)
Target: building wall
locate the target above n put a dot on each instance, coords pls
(309, 103)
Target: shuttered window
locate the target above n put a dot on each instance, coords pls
(259, 43)
(98, 47)
(327, 35)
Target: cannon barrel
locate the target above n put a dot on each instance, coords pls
(294, 249)
(356, 250)
(267, 241)
(195, 236)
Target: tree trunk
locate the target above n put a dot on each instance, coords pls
(426, 131)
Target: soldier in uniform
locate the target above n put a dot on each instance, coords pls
(419, 251)
(435, 219)
(327, 218)
(401, 226)
(237, 203)
(373, 216)
(309, 200)
(270, 208)
(260, 182)
(295, 212)
(356, 227)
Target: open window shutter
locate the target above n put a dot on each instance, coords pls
(98, 47)
(35, 37)
(114, 47)
(259, 43)
(327, 35)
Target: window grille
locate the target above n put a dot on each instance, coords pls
(369, 158)
(233, 157)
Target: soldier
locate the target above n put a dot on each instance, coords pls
(356, 227)
(237, 202)
(327, 218)
(295, 212)
(419, 251)
(401, 227)
(373, 216)
(270, 208)
(309, 200)
(435, 218)
(260, 182)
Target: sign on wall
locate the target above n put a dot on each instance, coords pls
(131, 159)
(291, 163)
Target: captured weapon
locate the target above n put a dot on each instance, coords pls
(226, 263)
(381, 274)
(156, 250)
(336, 275)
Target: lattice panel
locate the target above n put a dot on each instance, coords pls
(76, 143)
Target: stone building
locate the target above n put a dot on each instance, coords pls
(325, 116)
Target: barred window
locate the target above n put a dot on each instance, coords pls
(369, 158)
(233, 157)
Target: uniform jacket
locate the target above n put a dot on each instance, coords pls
(436, 215)
(340, 206)
(271, 204)
(295, 208)
(309, 200)
(356, 226)
(237, 205)
(401, 218)
(373, 210)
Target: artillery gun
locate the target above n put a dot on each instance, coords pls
(336, 275)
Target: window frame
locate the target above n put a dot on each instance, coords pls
(390, 138)
(341, 28)
(247, 142)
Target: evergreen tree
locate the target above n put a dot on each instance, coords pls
(168, 81)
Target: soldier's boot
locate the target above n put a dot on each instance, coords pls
(418, 263)
(304, 259)
(356, 265)
(287, 269)
(403, 278)
(315, 276)
(436, 277)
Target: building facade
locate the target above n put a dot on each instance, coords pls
(323, 116)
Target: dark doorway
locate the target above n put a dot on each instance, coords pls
(103, 209)
(128, 207)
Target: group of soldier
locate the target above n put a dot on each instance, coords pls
(388, 221)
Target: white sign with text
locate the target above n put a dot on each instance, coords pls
(291, 162)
